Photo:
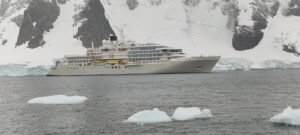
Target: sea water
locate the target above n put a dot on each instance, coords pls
(242, 103)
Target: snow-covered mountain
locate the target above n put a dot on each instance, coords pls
(246, 33)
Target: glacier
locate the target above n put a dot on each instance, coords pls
(21, 61)
(22, 70)
(232, 64)
(203, 27)
(201, 30)
(225, 64)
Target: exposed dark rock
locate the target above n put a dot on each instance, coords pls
(156, 2)
(215, 5)
(260, 20)
(274, 8)
(261, 7)
(21, 4)
(293, 9)
(61, 1)
(38, 18)
(4, 41)
(3, 7)
(96, 27)
(291, 48)
(232, 11)
(78, 17)
(246, 37)
(18, 20)
(17, 5)
(26, 30)
(132, 4)
(191, 2)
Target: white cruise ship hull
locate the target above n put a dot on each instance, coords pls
(187, 65)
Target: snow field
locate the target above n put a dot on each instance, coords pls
(59, 40)
(198, 30)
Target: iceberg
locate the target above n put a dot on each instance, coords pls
(58, 99)
(230, 64)
(289, 116)
(191, 113)
(149, 116)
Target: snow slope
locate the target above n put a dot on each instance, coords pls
(169, 21)
(201, 30)
(201, 27)
(59, 40)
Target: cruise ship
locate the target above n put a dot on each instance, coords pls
(120, 58)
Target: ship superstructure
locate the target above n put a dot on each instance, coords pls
(131, 58)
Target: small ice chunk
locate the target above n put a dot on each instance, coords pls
(58, 99)
(191, 113)
(289, 116)
(149, 116)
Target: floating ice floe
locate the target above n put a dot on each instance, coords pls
(191, 113)
(289, 116)
(58, 99)
(149, 116)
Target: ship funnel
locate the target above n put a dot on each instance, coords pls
(113, 38)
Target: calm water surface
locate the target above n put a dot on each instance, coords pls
(242, 103)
